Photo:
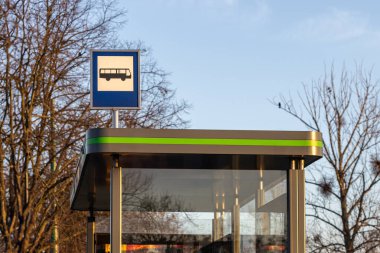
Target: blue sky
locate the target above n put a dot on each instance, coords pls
(228, 57)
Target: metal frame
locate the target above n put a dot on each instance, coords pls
(138, 82)
(203, 142)
(296, 193)
(97, 157)
(91, 234)
(116, 206)
(111, 153)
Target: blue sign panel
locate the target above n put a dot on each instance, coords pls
(115, 79)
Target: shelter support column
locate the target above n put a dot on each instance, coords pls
(91, 234)
(236, 206)
(297, 206)
(91, 217)
(116, 207)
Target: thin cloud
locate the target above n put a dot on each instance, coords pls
(261, 11)
(230, 2)
(203, 3)
(335, 25)
(247, 13)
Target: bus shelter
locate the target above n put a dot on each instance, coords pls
(188, 191)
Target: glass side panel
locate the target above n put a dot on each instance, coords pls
(201, 211)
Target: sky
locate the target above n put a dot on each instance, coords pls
(229, 58)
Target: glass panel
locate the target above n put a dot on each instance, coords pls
(199, 211)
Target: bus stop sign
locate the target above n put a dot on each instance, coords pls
(115, 79)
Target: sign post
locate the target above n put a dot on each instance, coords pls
(115, 84)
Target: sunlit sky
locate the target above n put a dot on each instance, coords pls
(228, 58)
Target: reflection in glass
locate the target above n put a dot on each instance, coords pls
(201, 211)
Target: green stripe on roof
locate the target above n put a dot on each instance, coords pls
(205, 141)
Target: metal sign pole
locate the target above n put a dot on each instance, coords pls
(116, 191)
(115, 118)
(115, 84)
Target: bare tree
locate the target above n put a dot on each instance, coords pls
(160, 107)
(45, 112)
(342, 203)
